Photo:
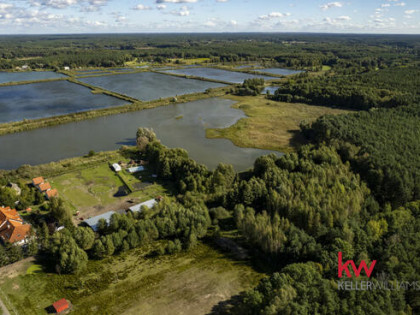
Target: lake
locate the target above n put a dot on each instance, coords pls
(218, 74)
(6, 77)
(176, 125)
(147, 86)
(37, 100)
(279, 71)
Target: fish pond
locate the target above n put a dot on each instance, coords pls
(176, 125)
(279, 71)
(218, 74)
(148, 86)
(38, 100)
(6, 77)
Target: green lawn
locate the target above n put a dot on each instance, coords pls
(88, 187)
(185, 283)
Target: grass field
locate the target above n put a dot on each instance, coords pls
(94, 190)
(186, 283)
(270, 125)
(88, 187)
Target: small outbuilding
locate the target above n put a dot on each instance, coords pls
(135, 169)
(61, 306)
(116, 167)
(66, 68)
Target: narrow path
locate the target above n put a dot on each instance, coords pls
(4, 308)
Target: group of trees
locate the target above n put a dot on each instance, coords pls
(250, 87)
(28, 196)
(382, 146)
(180, 228)
(391, 87)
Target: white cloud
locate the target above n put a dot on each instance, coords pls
(273, 15)
(141, 7)
(400, 4)
(85, 5)
(5, 6)
(211, 23)
(343, 18)
(182, 12)
(176, 1)
(385, 5)
(330, 5)
(221, 0)
(161, 6)
(408, 12)
(56, 4)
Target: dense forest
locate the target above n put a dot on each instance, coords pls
(390, 87)
(305, 51)
(383, 147)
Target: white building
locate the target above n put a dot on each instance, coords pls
(116, 167)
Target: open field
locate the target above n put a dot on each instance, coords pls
(270, 125)
(95, 190)
(131, 283)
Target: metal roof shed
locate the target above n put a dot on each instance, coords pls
(149, 204)
(93, 222)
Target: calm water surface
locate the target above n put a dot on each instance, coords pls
(218, 74)
(6, 77)
(148, 86)
(178, 125)
(37, 100)
(279, 71)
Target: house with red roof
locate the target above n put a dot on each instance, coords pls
(37, 181)
(12, 227)
(51, 193)
(44, 187)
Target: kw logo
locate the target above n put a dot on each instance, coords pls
(357, 270)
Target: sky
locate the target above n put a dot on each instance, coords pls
(150, 16)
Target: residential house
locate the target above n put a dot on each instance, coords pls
(51, 193)
(44, 187)
(12, 227)
(37, 181)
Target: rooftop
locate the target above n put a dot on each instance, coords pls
(93, 222)
(38, 180)
(149, 204)
(44, 186)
